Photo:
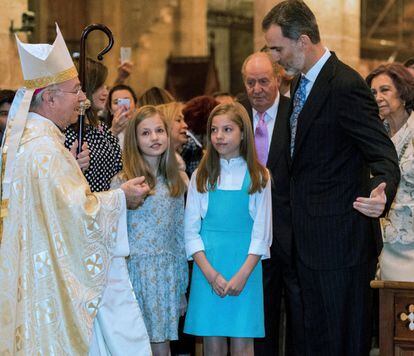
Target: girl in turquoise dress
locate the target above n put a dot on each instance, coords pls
(157, 263)
(228, 229)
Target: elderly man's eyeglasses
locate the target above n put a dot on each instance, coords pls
(76, 92)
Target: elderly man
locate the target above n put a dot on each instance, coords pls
(62, 248)
(269, 111)
(344, 175)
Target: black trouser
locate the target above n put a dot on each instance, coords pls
(337, 309)
(280, 277)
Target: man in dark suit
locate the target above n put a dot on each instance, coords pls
(261, 79)
(344, 175)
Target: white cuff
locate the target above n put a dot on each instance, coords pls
(259, 248)
(193, 246)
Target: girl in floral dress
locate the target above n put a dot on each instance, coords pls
(157, 264)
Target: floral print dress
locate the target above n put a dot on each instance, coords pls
(397, 258)
(157, 264)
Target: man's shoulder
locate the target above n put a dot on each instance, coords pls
(344, 74)
(39, 146)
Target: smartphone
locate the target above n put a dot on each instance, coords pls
(125, 54)
(124, 102)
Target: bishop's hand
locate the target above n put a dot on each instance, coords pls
(135, 191)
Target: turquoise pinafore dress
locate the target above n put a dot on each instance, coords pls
(226, 234)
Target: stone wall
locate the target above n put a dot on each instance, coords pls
(339, 25)
(153, 29)
(160, 28)
(11, 75)
(154, 32)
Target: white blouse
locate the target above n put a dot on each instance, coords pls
(260, 209)
(398, 225)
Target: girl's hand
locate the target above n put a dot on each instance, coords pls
(183, 304)
(120, 120)
(236, 284)
(218, 284)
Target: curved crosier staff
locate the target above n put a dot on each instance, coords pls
(82, 71)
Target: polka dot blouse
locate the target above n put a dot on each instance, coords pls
(105, 155)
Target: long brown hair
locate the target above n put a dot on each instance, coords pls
(155, 96)
(96, 74)
(134, 164)
(209, 169)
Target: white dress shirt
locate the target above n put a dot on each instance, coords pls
(313, 73)
(260, 209)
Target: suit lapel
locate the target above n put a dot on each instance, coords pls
(280, 132)
(314, 102)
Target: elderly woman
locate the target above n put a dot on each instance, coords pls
(196, 112)
(105, 152)
(173, 113)
(393, 88)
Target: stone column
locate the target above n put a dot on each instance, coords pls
(11, 75)
(113, 17)
(261, 8)
(339, 25)
(191, 36)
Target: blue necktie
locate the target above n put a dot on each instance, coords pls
(298, 102)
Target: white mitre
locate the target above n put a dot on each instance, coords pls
(42, 65)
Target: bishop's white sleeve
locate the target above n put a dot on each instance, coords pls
(192, 219)
(260, 208)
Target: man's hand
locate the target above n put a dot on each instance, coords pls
(135, 191)
(375, 204)
(82, 158)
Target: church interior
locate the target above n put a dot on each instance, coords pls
(196, 47)
(160, 33)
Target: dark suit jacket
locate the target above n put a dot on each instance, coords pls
(278, 166)
(341, 152)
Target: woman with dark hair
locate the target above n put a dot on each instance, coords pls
(393, 88)
(120, 106)
(105, 152)
(6, 99)
(409, 64)
(196, 113)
